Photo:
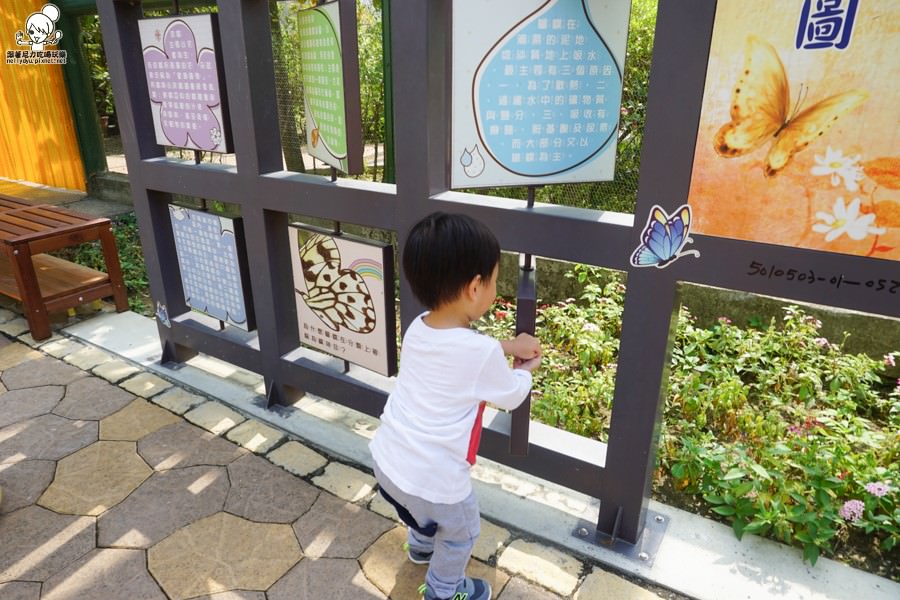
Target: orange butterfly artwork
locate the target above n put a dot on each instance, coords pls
(797, 142)
(761, 111)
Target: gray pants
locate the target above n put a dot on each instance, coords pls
(458, 527)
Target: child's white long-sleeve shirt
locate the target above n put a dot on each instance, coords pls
(427, 424)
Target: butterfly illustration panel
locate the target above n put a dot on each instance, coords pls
(211, 259)
(799, 139)
(537, 88)
(343, 287)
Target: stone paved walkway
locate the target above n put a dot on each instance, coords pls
(118, 485)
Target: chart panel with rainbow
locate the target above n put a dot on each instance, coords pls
(340, 291)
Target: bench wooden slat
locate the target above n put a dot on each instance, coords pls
(61, 215)
(56, 277)
(44, 283)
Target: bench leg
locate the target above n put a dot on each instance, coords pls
(113, 268)
(32, 301)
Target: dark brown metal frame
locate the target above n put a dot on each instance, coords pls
(619, 474)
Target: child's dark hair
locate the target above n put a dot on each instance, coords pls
(444, 252)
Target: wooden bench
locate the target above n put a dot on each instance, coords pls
(44, 283)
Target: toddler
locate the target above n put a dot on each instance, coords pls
(431, 424)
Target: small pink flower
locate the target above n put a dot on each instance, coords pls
(500, 314)
(725, 320)
(889, 360)
(852, 510)
(878, 488)
(821, 342)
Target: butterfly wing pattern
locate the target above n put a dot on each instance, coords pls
(759, 102)
(760, 111)
(808, 126)
(339, 297)
(664, 238)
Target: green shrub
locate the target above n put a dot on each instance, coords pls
(131, 257)
(773, 428)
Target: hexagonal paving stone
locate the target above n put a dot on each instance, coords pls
(162, 504)
(87, 358)
(135, 421)
(47, 437)
(20, 590)
(43, 371)
(19, 405)
(386, 565)
(61, 347)
(334, 528)
(104, 574)
(92, 398)
(14, 354)
(326, 578)
(145, 385)
(15, 326)
(297, 458)
(262, 492)
(255, 436)
(178, 400)
(236, 595)
(550, 567)
(23, 483)
(345, 482)
(214, 417)
(184, 445)
(37, 543)
(603, 583)
(95, 479)
(115, 370)
(518, 589)
(221, 553)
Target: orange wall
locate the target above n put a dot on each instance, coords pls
(37, 135)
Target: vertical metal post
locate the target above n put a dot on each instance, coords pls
(388, 173)
(526, 315)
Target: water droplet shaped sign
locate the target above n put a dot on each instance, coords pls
(537, 88)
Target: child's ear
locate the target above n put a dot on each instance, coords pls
(472, 287)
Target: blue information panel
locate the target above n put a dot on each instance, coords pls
(211, 255)
(536, 90)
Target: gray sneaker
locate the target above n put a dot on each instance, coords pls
(469, 589)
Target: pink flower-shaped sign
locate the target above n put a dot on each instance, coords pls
(184, 80)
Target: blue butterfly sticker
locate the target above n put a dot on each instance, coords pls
(664, 238)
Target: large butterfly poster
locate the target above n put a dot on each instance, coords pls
(799, 138)
(343, 287)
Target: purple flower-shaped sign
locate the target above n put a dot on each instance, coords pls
(184, 80)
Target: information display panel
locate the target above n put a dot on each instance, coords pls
(182, 62)
(798, 137)
(211, 259)
(344, 288)
(537, 87)
(329, 59)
